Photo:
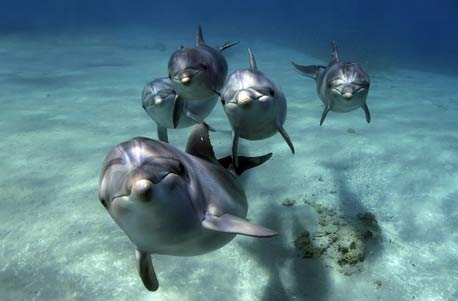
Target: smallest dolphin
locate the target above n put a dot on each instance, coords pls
(170, 111)
(158, 100)
(342, 86)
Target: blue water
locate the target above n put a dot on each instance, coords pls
(71, 77)
(417, 34)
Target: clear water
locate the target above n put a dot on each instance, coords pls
(71, 76)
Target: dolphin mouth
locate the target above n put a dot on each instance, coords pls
(246, 97)
(345, 95)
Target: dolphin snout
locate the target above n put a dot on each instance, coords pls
(158, 99)
(186, 80)
(243, 98)
(142, 189)
(347, 95)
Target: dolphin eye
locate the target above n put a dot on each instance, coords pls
(272, 92)
(181, 169)
(103, 203)
(205, 67)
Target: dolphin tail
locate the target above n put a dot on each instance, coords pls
(146, 270)
(228, 223)
(310, 71)
(227, 45)
(244, 163)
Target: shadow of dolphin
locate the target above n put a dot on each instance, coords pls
(290, 276)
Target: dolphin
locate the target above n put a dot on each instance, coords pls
(342, 86)
(168, 110)
(255, 106)
(176, 203)
(197, 72)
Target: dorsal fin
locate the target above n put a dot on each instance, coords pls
(199, 144)
(335, 55)
(252, 59)
(199, 37)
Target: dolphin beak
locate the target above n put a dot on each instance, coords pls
(243, 98)
(142, 189)
(347, 95)
(185, 80)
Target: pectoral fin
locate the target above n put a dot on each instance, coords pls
(177, 109)
(310, 71)
(146, 270)
(231, 224)
(366, 111)
(162, 134)
(227, 45)
(235, 146)
(325, 112)
(285, 136)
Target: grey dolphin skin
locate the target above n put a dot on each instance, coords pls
(342, 86)
(176, 203)
(197, 72)
(255, 106)
(166, 108)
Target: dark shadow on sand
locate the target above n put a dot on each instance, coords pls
(307, 278)
(350, 204)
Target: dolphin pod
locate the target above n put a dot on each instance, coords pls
(186, 203)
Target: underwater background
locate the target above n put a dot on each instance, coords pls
(71, 77)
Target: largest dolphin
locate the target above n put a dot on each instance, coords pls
(172, 202)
